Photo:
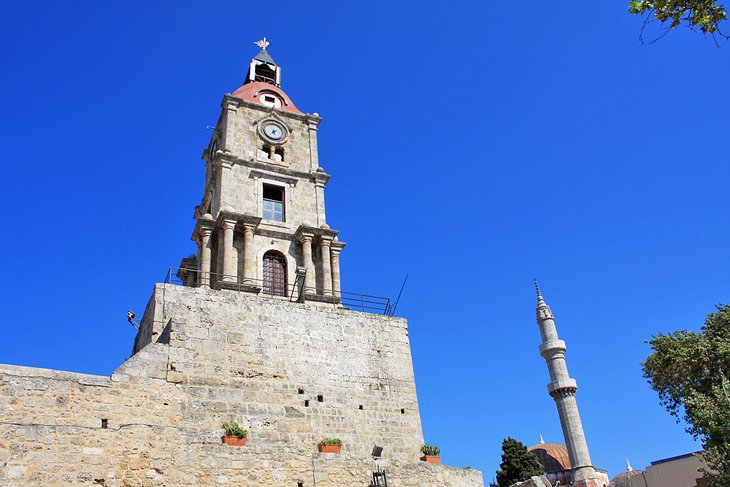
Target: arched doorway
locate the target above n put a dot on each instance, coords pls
(274, 273)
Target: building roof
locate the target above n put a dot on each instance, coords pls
(630, 478)
(264, 56)
(553, 456)
(678, 457)
(252, 91)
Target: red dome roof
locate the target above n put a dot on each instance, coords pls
(553, 456)
(632, 478)
(256, 90)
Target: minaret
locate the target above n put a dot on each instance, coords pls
(562, 388)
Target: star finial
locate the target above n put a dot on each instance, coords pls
(263, 43)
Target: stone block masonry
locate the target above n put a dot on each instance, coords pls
(290, 373)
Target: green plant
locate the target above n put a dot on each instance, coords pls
(330, 441)
(518, 464)
(691, 373)
(232, 429)
(430, 450)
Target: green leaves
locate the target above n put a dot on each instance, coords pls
(430, 450)
(518, 464)
(330, 441)
(691, 373)
(704, 15)
(232, 429)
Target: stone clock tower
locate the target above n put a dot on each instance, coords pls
(261, 224)
(259, 333)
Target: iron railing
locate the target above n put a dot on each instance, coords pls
(293, 292)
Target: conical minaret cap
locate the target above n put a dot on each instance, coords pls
(540, 300)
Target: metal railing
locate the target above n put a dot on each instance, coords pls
(293, 292)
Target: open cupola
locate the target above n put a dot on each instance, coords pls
(263, 67)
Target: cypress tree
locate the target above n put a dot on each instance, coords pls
(518, 464)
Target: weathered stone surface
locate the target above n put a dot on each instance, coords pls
(291, 373)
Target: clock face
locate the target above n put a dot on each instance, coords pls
(274, 131)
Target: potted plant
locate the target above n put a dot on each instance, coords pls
(431, 454)
(234, 434)
(330, 445)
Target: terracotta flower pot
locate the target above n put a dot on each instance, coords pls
(433, 459)
(234, 440)
(329, 448)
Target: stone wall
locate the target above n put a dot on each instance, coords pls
(291, 373)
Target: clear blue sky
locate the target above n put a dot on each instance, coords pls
(472, 145)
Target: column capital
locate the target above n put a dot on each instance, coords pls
(337, 246)
(305, 232)
(203, 223)
(228, 224)
(312, 120)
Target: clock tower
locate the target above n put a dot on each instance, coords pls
(229, 345)
(261, 225)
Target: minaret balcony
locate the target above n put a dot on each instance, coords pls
(562, 386)
(548, 349)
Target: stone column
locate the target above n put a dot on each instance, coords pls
(204, 278)
(324, 245)
(229, 253)
(309, 279)
(336, 249)
(249, 257)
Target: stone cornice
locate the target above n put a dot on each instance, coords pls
(238, 217)
(315, 232)
(229, 99)
(313, 120)
(317, 177)
(337, 246)
(257, 174)
(267, 231)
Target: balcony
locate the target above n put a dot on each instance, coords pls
(190, 277)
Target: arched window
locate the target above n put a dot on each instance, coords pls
(274, 273)
(279, 154)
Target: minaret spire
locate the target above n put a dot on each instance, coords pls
(540, 300)
(562, 389)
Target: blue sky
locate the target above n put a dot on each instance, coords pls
(473, 145)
